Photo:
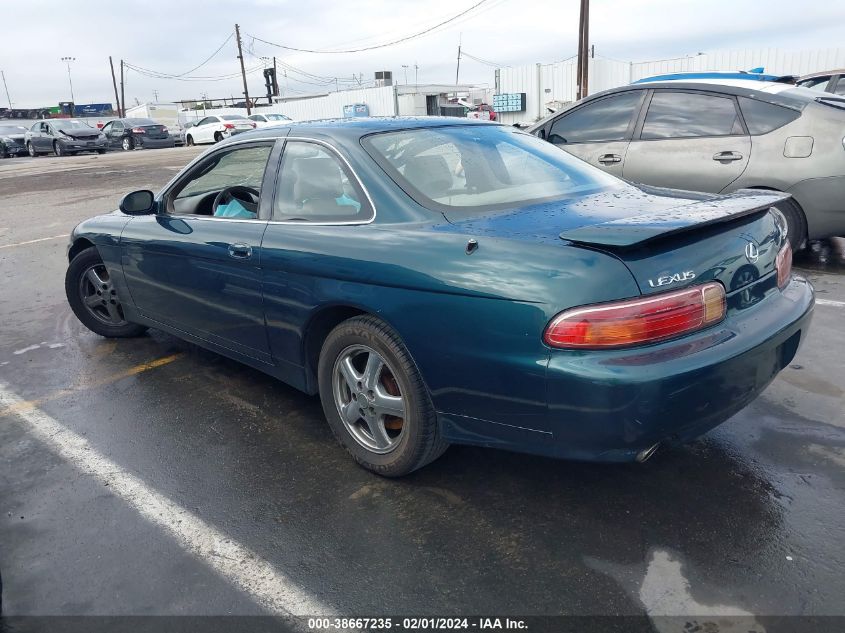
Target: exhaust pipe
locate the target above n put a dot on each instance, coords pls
(647, 453)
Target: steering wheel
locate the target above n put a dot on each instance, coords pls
(247, 196)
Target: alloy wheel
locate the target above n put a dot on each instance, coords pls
(368, 398)
(127, 144)
(99, 295)
(31, 150)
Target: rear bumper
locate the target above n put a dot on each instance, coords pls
(154, 143)
(823, 201)
(610, 406)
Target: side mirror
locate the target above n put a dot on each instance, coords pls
(138, 203)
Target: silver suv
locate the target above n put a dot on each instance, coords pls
(718, 136)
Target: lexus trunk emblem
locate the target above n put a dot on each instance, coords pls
(752, 254)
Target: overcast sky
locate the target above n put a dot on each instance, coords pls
(172, 37)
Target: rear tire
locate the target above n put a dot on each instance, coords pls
(93, 298)
(409, 442)
(218, 137)
(127, 144)
(796, 223)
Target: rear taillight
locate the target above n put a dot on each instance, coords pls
(253, 125)
(638, 321)
(783, 264)
(229, 126)
(138, 130)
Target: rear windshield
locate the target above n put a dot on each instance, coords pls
(233, 117)
(481, 167)
(135, 122)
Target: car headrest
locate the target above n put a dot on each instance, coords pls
(317, 178)
(429, 174)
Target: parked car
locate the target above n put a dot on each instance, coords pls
(266, 120)
(64, 137)
(441, 280)
(128, 134)
(12, 140)
(177, 133)
(718, 136)
(832, 81)
(215, 128)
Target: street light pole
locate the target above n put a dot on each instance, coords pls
(68, 60)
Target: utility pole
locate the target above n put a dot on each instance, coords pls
(458, 69)
(122, 93)
(243, 69)
(68, 60)
(583, 50)
(416, 74)
(405, 68)
(2, 74)
(155, 95)
(275, 78)
(114, 83)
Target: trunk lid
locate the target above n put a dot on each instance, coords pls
(668, 239)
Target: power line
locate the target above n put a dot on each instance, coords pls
(210, 57)
(155, 75)
(376, 46)
(482, 61)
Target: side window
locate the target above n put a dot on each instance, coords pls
(255, 117)
(603, 120)
(314, 185)
(107, 128)
(241, 171)
(36, 127)
(840, 86)
(207, 119)
(117, 127)
(690, 114)
(762, 117)
(816, 83)
(45, 128)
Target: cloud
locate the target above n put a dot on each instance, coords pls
(174, 37)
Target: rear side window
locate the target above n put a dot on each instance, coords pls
(603, 120)
(315, 186)
(762, 117)
(690, 114)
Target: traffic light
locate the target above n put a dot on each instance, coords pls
(270, 82)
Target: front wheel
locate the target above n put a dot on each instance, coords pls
(31, 150)
(189, 140)
(375, 400)
(58, 149)
(93, 297)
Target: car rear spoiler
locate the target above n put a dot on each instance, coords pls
(633, 231)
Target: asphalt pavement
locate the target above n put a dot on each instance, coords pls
(148, 476)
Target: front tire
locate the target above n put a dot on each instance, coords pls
(93, 297)
(31, 150)
(375, 400)
(58, 149)
(189, 140)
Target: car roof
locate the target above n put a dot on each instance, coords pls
(357, 127)
(823, 73)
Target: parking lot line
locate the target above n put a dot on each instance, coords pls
(132, 371)
(830, 302)
(40, 239)
(242, 567)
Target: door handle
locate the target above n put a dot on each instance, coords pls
(608, 159)
(727, 156)
(240, 251)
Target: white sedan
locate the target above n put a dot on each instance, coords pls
(215, 128)
(267, 120)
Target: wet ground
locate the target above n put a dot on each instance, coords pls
(94, 433)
